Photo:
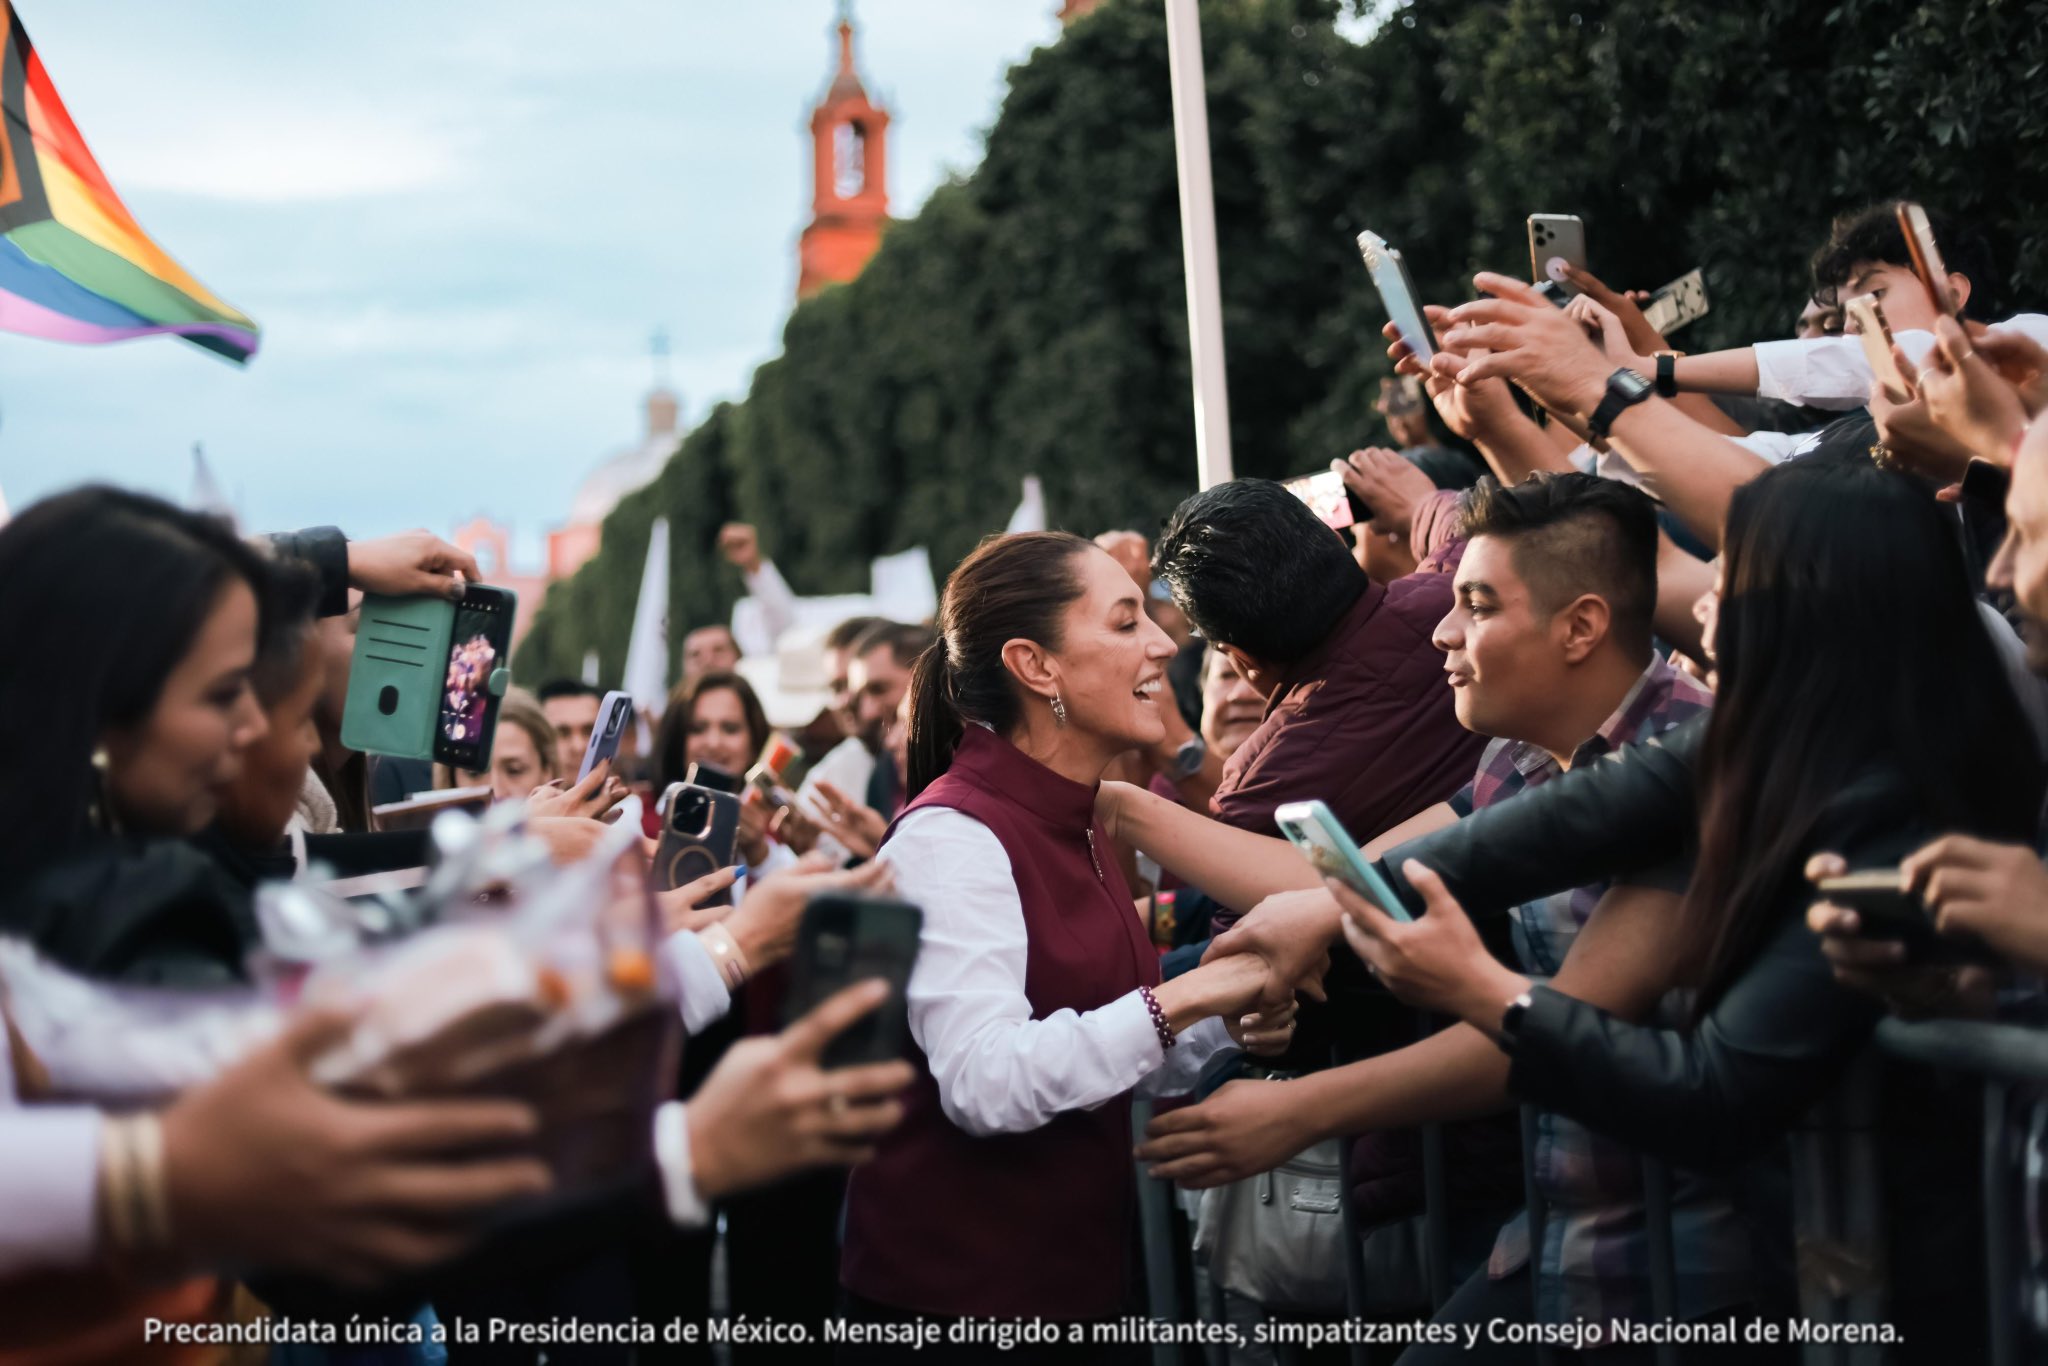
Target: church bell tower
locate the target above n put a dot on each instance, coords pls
(850, 194)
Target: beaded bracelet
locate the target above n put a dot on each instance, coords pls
(1167, 1038)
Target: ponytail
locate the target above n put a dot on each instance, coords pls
(935, 725)
(1012, 587)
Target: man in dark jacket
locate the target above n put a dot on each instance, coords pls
(1357, 710)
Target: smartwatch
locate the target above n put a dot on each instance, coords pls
(1187, 760)
(1667, 373)
(1625, 389)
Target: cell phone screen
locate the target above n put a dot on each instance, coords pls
(480, 645)
(1327, 498)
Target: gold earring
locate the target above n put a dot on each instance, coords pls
(1059, 711)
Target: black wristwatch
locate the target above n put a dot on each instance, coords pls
(1187, 760)
(1625, 389)
(1511, 1021)
(1667, 373)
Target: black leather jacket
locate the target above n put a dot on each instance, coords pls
(1777, 1039)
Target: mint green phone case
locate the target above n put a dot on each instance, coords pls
(394, 682)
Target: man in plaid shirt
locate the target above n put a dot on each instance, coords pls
(1594, 1260)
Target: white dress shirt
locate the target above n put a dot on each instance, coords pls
(999, 1071)
(49, 1173)
(1832, 373)
(848, 766)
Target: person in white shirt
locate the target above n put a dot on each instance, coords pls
(1036, 1004)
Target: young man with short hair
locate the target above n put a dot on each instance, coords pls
(1548, 648)
(571, 708)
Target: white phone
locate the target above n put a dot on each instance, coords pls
(1397, 292)
(1556, 240)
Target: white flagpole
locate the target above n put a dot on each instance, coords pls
(1198, 241)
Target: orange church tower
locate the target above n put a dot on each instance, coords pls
(850, 200)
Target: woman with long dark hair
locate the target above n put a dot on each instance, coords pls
(1862, 710)
(1036, 1005)
(131, 627)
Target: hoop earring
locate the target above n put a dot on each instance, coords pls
(1059, 711)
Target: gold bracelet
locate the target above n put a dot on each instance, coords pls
(116, 1183)
(152, 1191)
(725, 952)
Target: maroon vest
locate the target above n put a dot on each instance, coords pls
(1038, 1223)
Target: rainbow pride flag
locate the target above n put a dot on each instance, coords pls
(74, 264)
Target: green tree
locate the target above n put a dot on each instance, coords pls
(1031, 318)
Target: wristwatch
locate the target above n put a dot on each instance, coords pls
(1187, 760)
(1511, 1021)
(1625, 389)
(1667, 373)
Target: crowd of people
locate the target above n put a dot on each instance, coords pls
(1628, 652)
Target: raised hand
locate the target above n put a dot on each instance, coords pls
(768, 1110)
(1434, 962)
(411, 563)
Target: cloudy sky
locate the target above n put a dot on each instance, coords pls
(459, 222)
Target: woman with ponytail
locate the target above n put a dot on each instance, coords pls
(1036, 1007)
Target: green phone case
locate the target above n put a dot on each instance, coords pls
(394, 682)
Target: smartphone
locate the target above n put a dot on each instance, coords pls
(1315, 830)
(1682, 301)
(614, 715)
(480, 646)
(700, 828)
(1397, 293)
(1556, 240)
(1927, 262)
(848, 939)
(1330, 499)
(1886, 912)
(1866, 319)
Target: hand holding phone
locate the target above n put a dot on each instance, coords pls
(614, 714)
(1389, 274)
(1885, 910)
(1322, 839)
(1556, 240)
(845, 939)
(1867, 320)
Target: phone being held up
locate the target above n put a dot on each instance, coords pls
(1927, 262)
(848, 939)
(1389, 274)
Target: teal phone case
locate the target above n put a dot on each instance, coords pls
(394, 682)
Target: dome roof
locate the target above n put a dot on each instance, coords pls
(631, 469)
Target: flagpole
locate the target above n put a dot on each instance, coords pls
(1198, 241)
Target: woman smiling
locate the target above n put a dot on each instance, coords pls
(1036, 1006)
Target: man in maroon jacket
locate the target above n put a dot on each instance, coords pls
(1358, 712)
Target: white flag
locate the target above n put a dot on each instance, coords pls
(206, 495)
(1030, 514)
(647, 649)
